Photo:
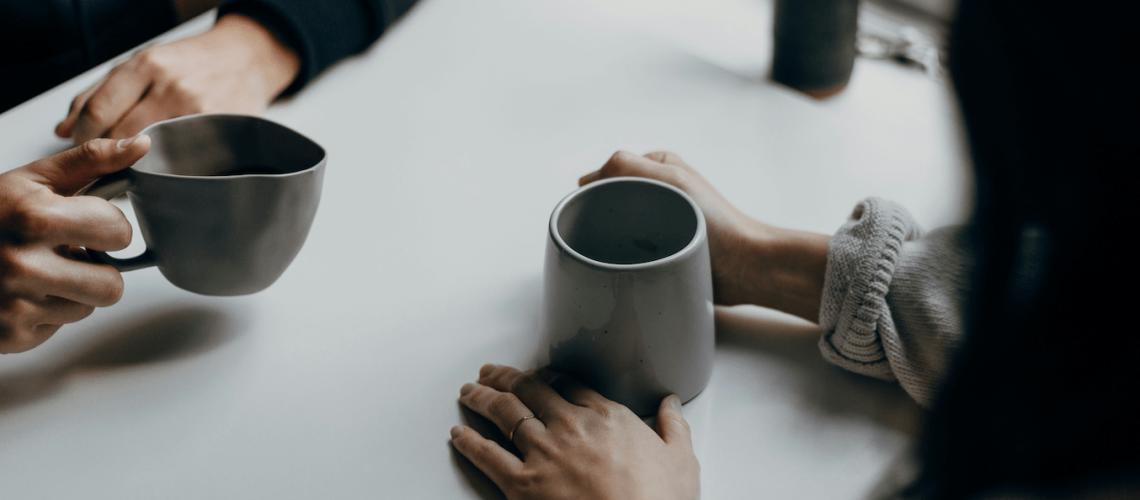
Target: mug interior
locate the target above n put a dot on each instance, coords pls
(226, 145)
(627, 222)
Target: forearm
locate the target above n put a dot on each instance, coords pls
(778, 268)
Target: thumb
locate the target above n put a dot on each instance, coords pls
(72, 170)
(671, 424)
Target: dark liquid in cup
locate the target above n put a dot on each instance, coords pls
(249, 170)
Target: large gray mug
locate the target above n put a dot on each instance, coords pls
(628, 304)
(224, 202)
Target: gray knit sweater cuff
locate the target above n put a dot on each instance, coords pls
(860, 263)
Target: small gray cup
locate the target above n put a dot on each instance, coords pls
(224, 202)
(628, 302)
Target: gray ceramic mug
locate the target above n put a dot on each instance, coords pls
(628, 303)
(224, 202)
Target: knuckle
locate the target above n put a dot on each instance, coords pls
(611, 410)
(14, 309)
(98, 110)
(610, 169)
(677, 421)
(90, 151)
(620, 163)
(14, 268)
(669, 157)
(190, 99)
(497, 375)
(147, 59)
(525, 379)
(111, 292)
(619, 158)
(578, 428)
(119, 232)
(503, 403)
(26, 221)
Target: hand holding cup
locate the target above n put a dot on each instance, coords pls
(46, 279)
(752, 262)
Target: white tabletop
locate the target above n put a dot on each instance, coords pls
(450, 142)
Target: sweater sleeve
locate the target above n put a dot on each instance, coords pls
(322, 33)
(894, 298)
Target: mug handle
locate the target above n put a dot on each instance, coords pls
(110, 186)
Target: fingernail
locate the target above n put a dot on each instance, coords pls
(675, 402)
(456, 431)
(466, 389)
(126, 143)
(487, 369)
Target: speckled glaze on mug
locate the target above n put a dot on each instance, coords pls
(628, 301)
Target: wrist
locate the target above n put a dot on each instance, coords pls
(273, 61)
(783, 269)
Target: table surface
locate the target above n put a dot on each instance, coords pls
(450, 142)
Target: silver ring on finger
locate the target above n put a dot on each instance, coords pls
(511, 435)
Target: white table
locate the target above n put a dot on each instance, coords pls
(450, 141)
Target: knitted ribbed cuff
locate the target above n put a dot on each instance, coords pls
(860, 262)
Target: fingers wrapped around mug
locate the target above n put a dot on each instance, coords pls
(46, 279)
(660, 165)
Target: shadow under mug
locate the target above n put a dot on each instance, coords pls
(224, 202)
(627, 294)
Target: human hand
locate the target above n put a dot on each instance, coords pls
(579, 445)
(752, 262)
(237, 66)
(46, 279)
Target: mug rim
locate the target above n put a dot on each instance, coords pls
(324, 153)
(699, 236)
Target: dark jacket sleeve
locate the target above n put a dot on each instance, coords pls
(322, 32)
(43, 43)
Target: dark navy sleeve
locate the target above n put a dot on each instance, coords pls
(321, 33)
(46, 42)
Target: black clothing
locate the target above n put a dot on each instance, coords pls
(1050, 115)
(43, 43)
(322, 33)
